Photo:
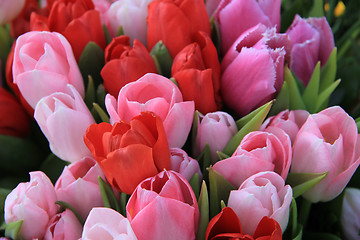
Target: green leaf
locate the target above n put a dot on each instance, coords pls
(90, 94)
(222, 155)
(310, 95)
(222, 204)
(324, 96)
(120, 31)
(103, 115)
(299, 233)
(358, 124)
(108, 196)
(194, 183)
(194, 127)
(65, 205)
(107, 35)
(91, 62)
(301, 182)
(12, 230)
(162, 59)
(123, 201)
(219, 190)
(204, 160)
(204, 211)
(100, 96)
(3, 195)
(249, 123)
(5, 43)
(328, 71)
(53, 167)
(296, 101)
(317, 9)
(282, 101)
(321, 236)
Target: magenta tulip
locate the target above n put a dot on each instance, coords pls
(63, 226)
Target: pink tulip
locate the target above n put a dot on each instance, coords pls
(64, 118)
(10, 9)
(131, 15)
(164, 207)
(215, 129)
(263, 194)
(34, 203)
(259, 151)
(253, 69)
(157, 94)
(350, 215)
(43, 64)
(327, 142)
(211, 6)
(312, 41)
(102, 6)
(181, 163)
(107, 224)
(64, 226)
(234, 17)
(79, 181)
(289, 121)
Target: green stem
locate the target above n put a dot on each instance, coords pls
(304, 212)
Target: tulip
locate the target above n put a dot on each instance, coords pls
(245, 87)
(106, 223)
(181, 163)
(128, 153)
(64, 226)
(175, 23)
(164, 207)
(211, 6)
(327, 142)
(234, 17)
(64, 118)
(350, 220)
(122, 64)
(131, 16)
(258, 151)
(9, 10)
(14, 120)
(34, 203)
(215, 129)
(157, 94)
(263, 194)
(44, 64)
(102, 6)
(312, 41)
(79, 181)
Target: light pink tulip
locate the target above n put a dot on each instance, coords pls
(164, 207)
(9, 9)
(327, 142)
(43, 64)
(64, 118)
(180, 162)
(34, 203)
(263, 194)
(157, 94)
(102, 6)
(350, 215)
(312, 41)
(107, 224)
(79, 181)
(289, 121)
(259, 151)
(215, 129)
(64, 226)
(253, 69)
(131, 15)
(234, 17)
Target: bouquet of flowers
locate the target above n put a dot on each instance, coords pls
(179, 119)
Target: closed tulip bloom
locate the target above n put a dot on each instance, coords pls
(107, 224)
(164, 207)
(215, 129)
(327, 142)
(63, 226)
(234, 17)
(259, 151)
(9, 10)
(180, 162)
(312, 41)
(79, 181)
(263, 194)
(253, 69)
(43, 64)
(157, 94)
(350, 219)
(34, 203)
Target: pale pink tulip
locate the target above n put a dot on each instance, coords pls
(312, 41)
(102, 6)
(157, 94)
(215, 129)
(63, 226)
(350, 215)
(164, 207)
(43, 64)
(180, 162)
(263, 194)
(9, 9)
(107, 224)
(259, 151)
(327, 142)
(253, 69)
(64, 118)
(34, 203)
(234, 17)
(79, 181)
